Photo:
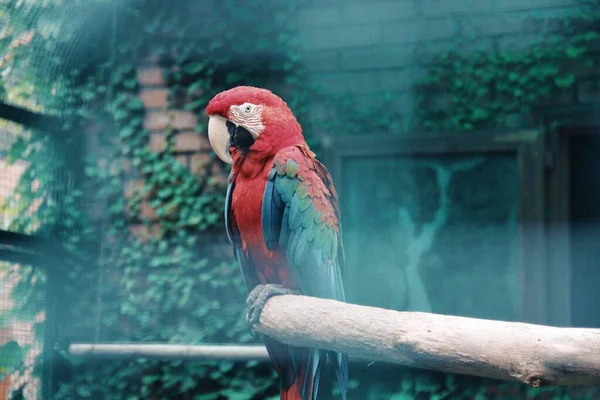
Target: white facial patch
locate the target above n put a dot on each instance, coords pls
(249, 116)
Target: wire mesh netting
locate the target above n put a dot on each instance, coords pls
(20, 300)
(11, 172)
(111, 199)
(21, 284)
(37, 170)
(21, 330)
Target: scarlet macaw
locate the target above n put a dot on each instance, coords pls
(283, 220)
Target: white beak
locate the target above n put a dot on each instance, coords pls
(218, 136)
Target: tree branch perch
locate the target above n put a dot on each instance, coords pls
(534, 354)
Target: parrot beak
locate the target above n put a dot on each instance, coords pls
(218, 136)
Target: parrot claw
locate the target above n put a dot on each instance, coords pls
(257, 299)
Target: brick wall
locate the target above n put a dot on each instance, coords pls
(192, 148)
(360, 49)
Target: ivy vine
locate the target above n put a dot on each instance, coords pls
(173, 278)
(488, 89)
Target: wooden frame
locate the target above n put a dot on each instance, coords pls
(29, 118)
(559, 215)
(11, 241)
(563, 122)
(13, 247)
(527, 145)
(558, 234)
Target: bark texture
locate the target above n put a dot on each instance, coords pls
(535, 354)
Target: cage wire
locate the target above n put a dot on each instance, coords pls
(19, 296)
(33, 33)
(29, 81)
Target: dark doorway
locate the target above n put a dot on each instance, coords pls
(585, 229)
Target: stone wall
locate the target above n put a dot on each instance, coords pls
(361, 49)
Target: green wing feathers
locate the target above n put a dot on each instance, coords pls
(300, 217)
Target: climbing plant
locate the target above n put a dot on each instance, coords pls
(155, 265)
(176, 283)
(468, 90)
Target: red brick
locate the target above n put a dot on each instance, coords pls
(178, 119)
(218, 175)
(183, 119)
(138, 230)
(204, 143)
(154, 98)
(114, 167)
(220, 180)
(133, 187)
(143, 232)
(189, 141)
(182, 159)
(149, 76)
(158, 142)
(199, 163)
(156, 121)
(146, 211)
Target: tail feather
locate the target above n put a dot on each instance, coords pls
(340, 362)
(300, 369)
(291, 393)
(297, 390)
(312, 376)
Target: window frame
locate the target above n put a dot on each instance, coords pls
(572, 123)
(529, 149)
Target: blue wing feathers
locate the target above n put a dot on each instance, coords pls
(341, 371)
(285, 233)
(295, 219)
(302, 245)
(292, 219)
(314, 365)
(271, 226)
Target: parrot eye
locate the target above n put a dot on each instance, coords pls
(248, 108)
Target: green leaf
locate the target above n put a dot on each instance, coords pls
(16, 150)
(574, 52)
(565, 81)
(402, 396)
(12, 356)
(84, 391)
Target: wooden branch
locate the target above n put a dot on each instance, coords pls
(535, 354)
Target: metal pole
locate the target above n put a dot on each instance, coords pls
(170, 351)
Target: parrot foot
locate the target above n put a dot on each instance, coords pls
(257, 299)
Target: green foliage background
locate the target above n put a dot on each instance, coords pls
(180, 284)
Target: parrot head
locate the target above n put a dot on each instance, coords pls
(248, 122)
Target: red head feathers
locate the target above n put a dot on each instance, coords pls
(249, 123)
(220, 104)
